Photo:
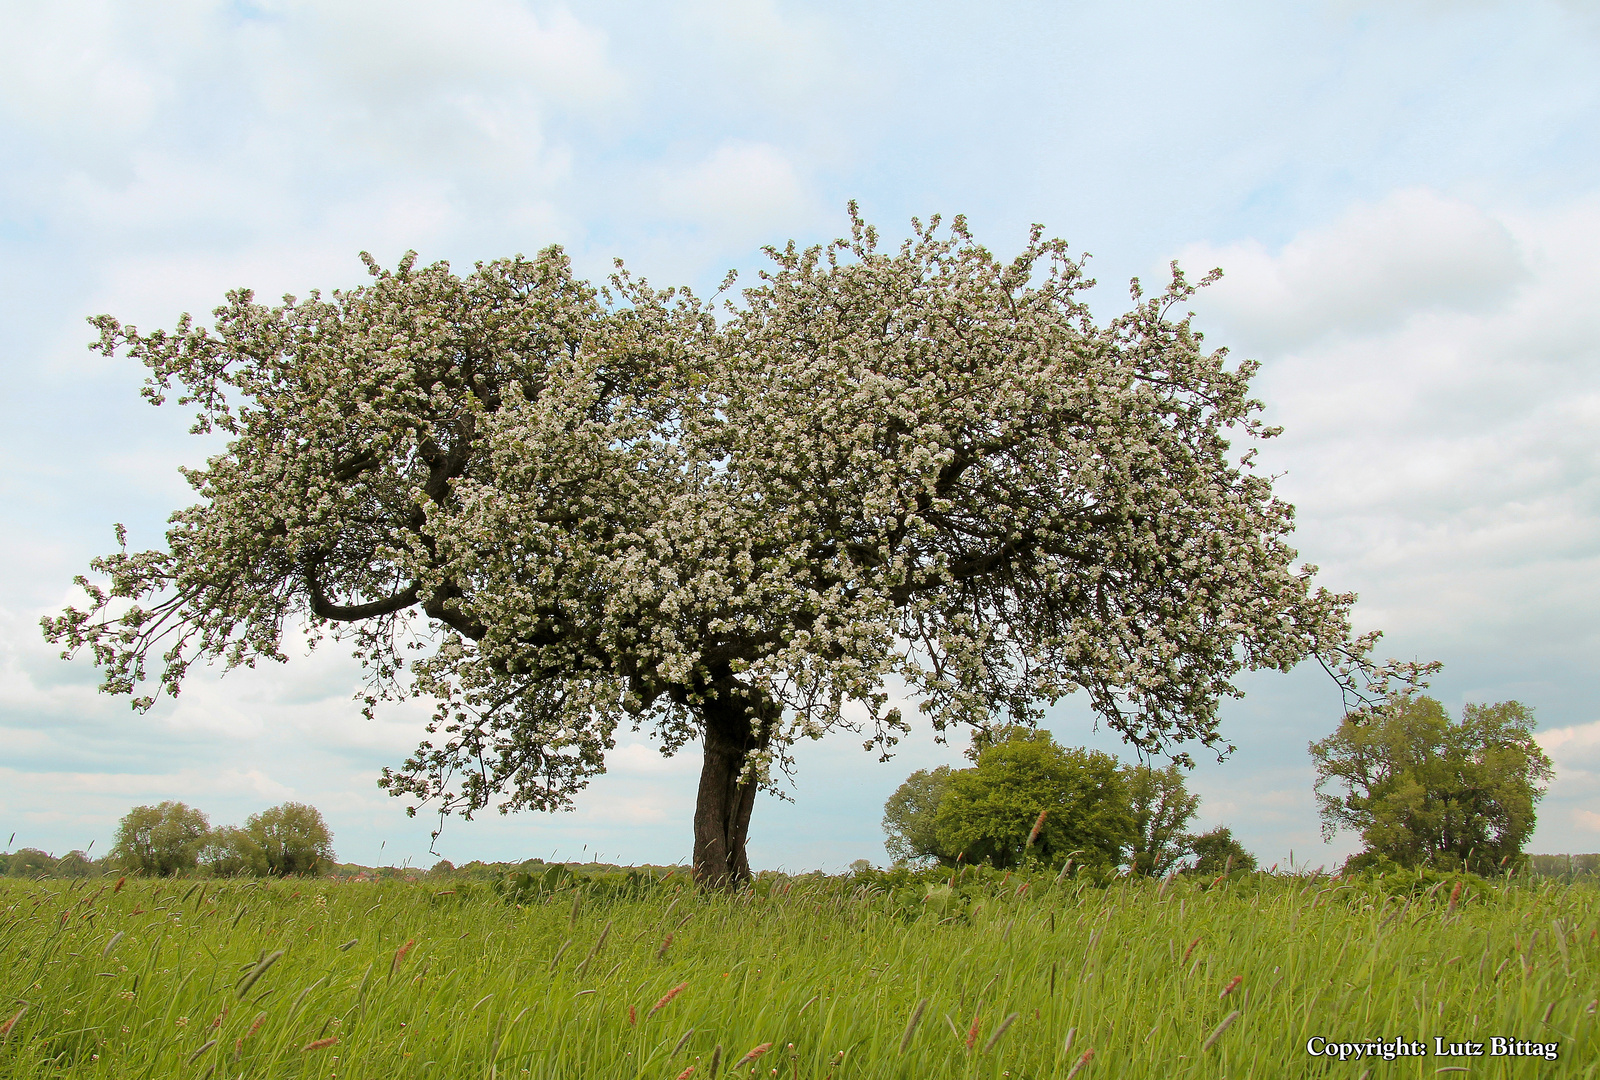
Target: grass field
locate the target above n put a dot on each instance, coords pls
(325, 979)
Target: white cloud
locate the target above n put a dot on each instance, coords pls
(64, 72)
(1436, 366)
(1578, 738)
(784, 56)
(738, 189)
(1376, 268)
(384, 54)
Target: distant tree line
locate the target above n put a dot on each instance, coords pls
(1027, 800)
(175, 838)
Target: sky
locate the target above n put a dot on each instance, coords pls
(1404, 197)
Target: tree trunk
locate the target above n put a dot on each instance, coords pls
(723, 805)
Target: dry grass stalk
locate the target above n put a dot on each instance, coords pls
(999, 1031)
(754, 1052)
(1227, 1021)
(565, 945)
(1088, 1056)
(911, 1025)
(1066, 1047)
(667, 998)
(112, 944)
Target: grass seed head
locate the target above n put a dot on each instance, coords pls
(5, 1029)
(911, 1025)
(256, 972)
(320, 1044)
(1033, 834)
(1088, 1056)
(999, 1031)
(400, 955)
(1233, 984)
(1227, 1021)
(754, 1052)
(197, 1053)
(666, 998)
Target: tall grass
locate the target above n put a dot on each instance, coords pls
(833, 977)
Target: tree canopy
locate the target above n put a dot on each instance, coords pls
(1217, 852)
(162, 839)
(1161, 807)
(555, 509)
(1420, 787)
(289, 839)
(991, 812)
(1101, 813)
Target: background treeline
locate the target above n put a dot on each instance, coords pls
(172, 838)
(1423, 790)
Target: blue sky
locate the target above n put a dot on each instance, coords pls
(1405, 197)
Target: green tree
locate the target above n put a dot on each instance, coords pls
(1217, 852)
(925, 465)
(909, 817)
(30, 863)
(1161, 807)
(231, 852)
(1420, 787)
(160, 840)
(75, 864)
(990, 810)
(292, 839)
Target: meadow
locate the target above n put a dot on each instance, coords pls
(871, 975)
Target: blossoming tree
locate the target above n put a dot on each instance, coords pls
(554, 509)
